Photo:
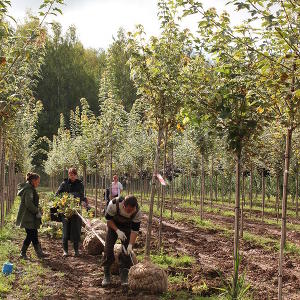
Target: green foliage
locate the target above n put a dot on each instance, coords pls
(238, 290)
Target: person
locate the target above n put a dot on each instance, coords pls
(116, 187)
(123, 222)
(30, 214)
(72, 226)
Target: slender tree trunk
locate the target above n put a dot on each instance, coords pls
(163, 190)
(202, 186)
(96, 192)
(236, 223)
(230, 189)
(172, 181)
(2, 175)
(277, 197)
(216, 189)
(263, 188)
(211, 181)
(155, 169)
(251, 188)
(297, 189)
(284, 208)
(191, 187)
(243, 203)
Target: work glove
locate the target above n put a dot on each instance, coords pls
(121, 235)
(129, 249)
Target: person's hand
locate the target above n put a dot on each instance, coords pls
(129, 249)
(38, 215)
(121, 235)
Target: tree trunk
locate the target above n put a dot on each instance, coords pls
(284, 207)
(236, 223)
(2, 175)
(172, 180)
(211, 181)
(191, 187)
(162, 190)
(297, 189)
(243, 204)
(216, 189)
(96, 192)
(202, 187)
(155, 169)
(263, 189)
(251, 188)
(277, 197)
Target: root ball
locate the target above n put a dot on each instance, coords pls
(92, 245)
(148, 277)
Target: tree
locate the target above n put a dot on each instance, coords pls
(157, 72)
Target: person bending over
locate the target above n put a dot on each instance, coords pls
(123, 221)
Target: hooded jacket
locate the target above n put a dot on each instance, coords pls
(29, 207)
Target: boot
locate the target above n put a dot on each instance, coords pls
(124, 276)
(106, 279)
(23, 252)
(38, 250)
(76, 246)
(65, 247)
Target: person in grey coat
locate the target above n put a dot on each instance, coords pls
(29, 214)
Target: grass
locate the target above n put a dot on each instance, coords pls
(183, 295)
(26, 274)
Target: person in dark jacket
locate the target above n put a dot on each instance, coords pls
(72, 226)
(29, 214)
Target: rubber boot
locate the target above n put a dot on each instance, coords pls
(124, 276)
(76, 246)
(65, 248)
(23, 252)
(38, 250)
(106, 278)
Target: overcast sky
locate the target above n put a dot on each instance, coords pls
(98, 20)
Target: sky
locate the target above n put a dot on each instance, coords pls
(97, 21)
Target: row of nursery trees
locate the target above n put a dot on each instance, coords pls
(220, 103)
(21, 57)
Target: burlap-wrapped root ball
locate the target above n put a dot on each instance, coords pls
(91, 243)
(98, 225)
(146, 276)
(114, 269)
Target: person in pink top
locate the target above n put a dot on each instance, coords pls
(116, 187)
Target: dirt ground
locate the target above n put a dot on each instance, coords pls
(80, 278)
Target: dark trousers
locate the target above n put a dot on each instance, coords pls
(32, 236)
(109, 258)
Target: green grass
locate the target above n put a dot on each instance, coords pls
(183, 295)
(25, 273)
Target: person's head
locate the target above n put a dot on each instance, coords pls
(115, 178)
(72, 174)
(130, 204)
(33, 179)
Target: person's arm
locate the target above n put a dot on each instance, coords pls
(61, 189)
(112, 225)
(28, 195)
(133, 236)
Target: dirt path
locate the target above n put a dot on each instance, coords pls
(213, 253)
(253, 226)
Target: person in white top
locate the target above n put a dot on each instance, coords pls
(116, 187)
